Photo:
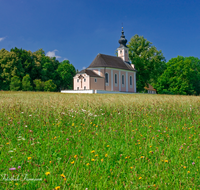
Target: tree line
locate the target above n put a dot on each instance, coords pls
(180, 75)
(27, 71)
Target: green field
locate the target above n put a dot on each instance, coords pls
(80, 141)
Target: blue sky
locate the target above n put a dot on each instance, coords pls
(78, 30)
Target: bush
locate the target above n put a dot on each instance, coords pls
(39, 85)
(26, 83)
(15, 83)
(49, 86)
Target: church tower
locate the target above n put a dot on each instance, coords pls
(123, 49)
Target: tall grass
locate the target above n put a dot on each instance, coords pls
(79, 141)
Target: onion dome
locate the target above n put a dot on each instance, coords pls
(122, 40)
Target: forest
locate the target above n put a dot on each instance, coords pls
(33, 71)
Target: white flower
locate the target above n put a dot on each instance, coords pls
(30, 115)
(26, 126)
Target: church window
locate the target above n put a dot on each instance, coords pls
(121, 51)
(84, 80)
(126, 51)
(84, 87)
(122, 79)
(131, 80)
(115, 78)
(95, 80)
(77, 80)
(77, 88)
(106, 76)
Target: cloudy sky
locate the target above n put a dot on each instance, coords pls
(78, 30)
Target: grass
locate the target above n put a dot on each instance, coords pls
(80, 141)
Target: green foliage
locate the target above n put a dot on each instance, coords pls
(49, 86)
(149, 62)
(15, 83)
(67, 72)
(26, 83)
(19, 62)
(39, 85)
(182, 76)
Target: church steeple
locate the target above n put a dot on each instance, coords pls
(123, 49)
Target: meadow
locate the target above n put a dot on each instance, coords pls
(80, 141)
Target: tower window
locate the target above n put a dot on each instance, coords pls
(126, 51)
(95, 80)
(84, 80)
(77, 80)
(121, 51)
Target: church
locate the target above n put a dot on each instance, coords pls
(108, 73)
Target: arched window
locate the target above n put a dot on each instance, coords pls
(122, 79)
(115, 78)
(131, 83)
(106, 76)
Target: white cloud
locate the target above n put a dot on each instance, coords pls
(83, 68)
(1, 39)
(52, 54)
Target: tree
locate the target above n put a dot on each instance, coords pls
(148, 61)
(49, 86)
(182, 76)
(66, 72)
(15, 83)
(26, 83)
(39, 85)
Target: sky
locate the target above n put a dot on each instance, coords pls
(78, 30)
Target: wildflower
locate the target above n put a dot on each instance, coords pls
(150, 146)
(19, 167)
(92, 160)
(54, 137)
(79, 131)
(29, 158)
(50, 162)
(140, 177)
(65, 179)
(96, 155)
(87, 164)
(75, 156)
(91, 123)
(188, 171)
(142, 156)
(62, 175)
(131, 167)
(102, 160)
(12, 169)
(193, 163)
(58, 187)
(8, 143)
(92, 151)
(106, 155)
(166, 161)
(97, 126)
(67, 139)
(108, 145)
(47, 173)
(72, 124)
(16, 183)
(72, 162)
(184, 167)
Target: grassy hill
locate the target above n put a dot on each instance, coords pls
(80, 141)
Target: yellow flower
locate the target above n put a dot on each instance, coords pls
(62, 175)
(91, 123)
(58, 187)
(72, 162)
(166, 161)
(184, 167)
(108, 145)
(75, 156)
(131, 167)
(92, 160)
(92, 151)
(72, 124)
(102, 160)
(188, 171)
(87, 164)
(97, 126)
(154, 185)
(126, 157)
(8, 143)
(140, 177)
(79, 131)
(65, 179)
(142, 156)
(150, 146)
(50, 162)
(47, 173)
(96, 155)
(16, 183)
(106, 155)
(54, 137)
(29, 158)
